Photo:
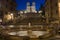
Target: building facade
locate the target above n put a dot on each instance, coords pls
(7, 6)
(51, 10)
(58, 32)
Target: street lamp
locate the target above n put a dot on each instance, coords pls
(35, 11)
(25, 11)
(11, 16)
(11, 26)
(39, 11)
(8, 17)
(21, 12)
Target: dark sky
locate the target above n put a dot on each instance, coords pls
(21, 4)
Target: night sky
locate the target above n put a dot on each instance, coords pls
(21, 4)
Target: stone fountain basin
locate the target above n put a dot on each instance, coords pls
(25, 33)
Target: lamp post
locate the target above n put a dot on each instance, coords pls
(11, 16)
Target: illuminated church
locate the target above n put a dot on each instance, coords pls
(30, 9)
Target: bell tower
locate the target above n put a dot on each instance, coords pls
(33, 9)
(28, 6)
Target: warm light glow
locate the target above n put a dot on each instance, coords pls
(21, 11)
(25, 11)
(11, 14)
(39, 11)
(8, 17)
(29, 33)
(0, 20)
(59, 4)
(11, 26)
(35, 11)
(59, 8)
(12, 33)
(22, 33)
